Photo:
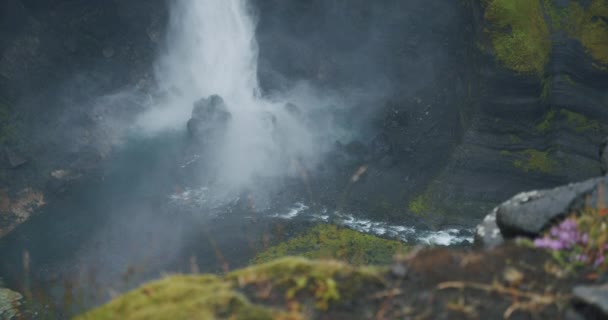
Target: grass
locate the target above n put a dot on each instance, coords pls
(330, 241)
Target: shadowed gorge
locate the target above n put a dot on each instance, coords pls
(149, 137)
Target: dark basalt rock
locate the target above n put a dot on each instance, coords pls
(531, 213)
(594, 296)
(210, 116)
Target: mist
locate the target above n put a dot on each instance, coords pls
(211, 49)
(251, 118)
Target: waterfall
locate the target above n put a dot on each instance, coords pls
(211, 49)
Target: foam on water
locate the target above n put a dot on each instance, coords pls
(293, 212)
(202, 198)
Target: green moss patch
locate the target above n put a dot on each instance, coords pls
(519, 34)
(322, 283)
(547, 122)
(298, 277)
(571, 119)
(181, 297)
(330, 241)
(579, 122)
(590, 27)
(420, 204)
(520, 31)
(533, 160)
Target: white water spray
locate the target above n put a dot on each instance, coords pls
(211, 49)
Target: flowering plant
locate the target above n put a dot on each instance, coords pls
(579, 240)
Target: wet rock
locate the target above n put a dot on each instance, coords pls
(487, 232)
(595, 296)
(15, 160)
(9, 303)
(210, 117)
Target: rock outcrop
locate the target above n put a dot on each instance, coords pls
(209, 121)
(14, 210)
(531, 213)
(10, 302)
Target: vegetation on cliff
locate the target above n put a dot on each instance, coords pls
(330, 241)
(519, 34)
(520, 31)
(244, 294)
(506, 282)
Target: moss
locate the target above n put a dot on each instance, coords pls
(579, 122)
(420, 204)
(299, 276)
(547, 122)
(519, 34)
(211, 297)
(181, 297)
(505, 153)
(329, 241)
(557, 16)
(535, 161)
(590, 27)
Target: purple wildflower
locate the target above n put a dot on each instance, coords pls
(548, 243)
(568, 225)
(598, 261)
(563, 236)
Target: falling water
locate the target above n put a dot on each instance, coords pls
(211, 49)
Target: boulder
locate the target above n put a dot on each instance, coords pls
(531, 213)
(210, 117)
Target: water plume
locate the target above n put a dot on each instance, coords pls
(211, 49)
